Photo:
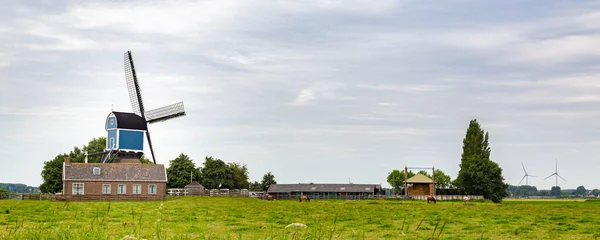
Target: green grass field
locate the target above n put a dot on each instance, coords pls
(248, 218)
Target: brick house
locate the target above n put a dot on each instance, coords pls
(420, 185)
(114, 181)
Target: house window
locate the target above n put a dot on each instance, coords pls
(96, 171)
(137, 189)
(342, 188)
(313, 188)
(105, 188)
(152, 189)
(77, 189)
(121, 189)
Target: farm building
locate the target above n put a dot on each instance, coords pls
(324, 191)
(420, 185)
(126, 181)
(194, 188)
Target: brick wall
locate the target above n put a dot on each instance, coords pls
(93, 190)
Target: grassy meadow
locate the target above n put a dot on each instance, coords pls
(248, 218)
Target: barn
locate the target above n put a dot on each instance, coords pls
(113, 181)
(347, 191)
(420, 185)
(194, 188)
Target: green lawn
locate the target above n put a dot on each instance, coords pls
(248, 218)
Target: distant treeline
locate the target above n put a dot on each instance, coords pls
(18, 187)
(527, 191)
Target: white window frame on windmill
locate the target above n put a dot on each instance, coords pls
(96, 171)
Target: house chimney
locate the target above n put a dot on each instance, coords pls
(67, 161)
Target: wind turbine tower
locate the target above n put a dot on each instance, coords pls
(556, 175)
(526, 177)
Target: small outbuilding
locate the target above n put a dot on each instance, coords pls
(420, 185)
(194, 188)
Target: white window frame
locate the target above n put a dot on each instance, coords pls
(98, 170)
(111, 143)
(75, 191)
(139, 188)
(109, 188)
(124, 189)
(150, 189)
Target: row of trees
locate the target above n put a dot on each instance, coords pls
(214, 174)
(527, 191)
(478, 174)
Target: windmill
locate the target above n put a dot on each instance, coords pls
(126, 130)
(526, 177)
(556, 174)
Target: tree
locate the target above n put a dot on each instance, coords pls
(268, 180)
(217, 174)
(442, 180)
(95, 145)
(240, 175)
(255, 186)
(52, 175)
(396, 179)
(580, 191)
(181, 171)
(555, 191)
(596, 192)
(144, 160)
(479, 175)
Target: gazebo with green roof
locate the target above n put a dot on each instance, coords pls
(420, 185)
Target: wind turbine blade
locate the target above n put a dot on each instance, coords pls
(524, 168)
(522, 179)
(532, 176)
(150, 144)
(549, 176)
(561, 177)
(556, 166)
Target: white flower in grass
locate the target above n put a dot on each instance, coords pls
(297, 225)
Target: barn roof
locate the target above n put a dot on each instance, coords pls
(194, 185)
(118, 172)
(419, 178)
(130, 121)
(323, 187)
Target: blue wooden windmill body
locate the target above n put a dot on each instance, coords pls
(125, 132)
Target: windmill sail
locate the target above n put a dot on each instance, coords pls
(165, 113)
(135, 93)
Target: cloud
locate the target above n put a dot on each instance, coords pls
(305, 96)
(314, 82)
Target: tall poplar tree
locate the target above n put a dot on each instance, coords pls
(478, 174)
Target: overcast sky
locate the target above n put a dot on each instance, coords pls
(313, 91)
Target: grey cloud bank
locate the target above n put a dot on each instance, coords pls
(317, 91)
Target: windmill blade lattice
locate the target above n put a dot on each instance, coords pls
(165, 113)
(135, 93)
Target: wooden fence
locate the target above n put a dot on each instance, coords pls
(448, 197)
